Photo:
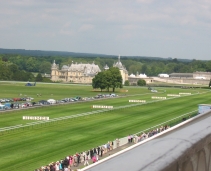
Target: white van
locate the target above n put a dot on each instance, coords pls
(51, 101)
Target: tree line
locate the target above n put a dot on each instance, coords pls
(10, 71)
(21, 66)
(151, 67)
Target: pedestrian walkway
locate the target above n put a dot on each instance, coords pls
(81, 165)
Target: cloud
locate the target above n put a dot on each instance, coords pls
(144, 1)
(86, 27)
(67, 29)
(119, 23)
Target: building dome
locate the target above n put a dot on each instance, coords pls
(65, 67)
(118, 64)
(106, 67)
(54, 65)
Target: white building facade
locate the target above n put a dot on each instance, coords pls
(76, 73)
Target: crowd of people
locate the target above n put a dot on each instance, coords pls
(72, 161)
(69, 163)
(137, 138)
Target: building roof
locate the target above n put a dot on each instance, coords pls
(119, 65)
(87, 69)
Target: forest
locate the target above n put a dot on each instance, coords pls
(21, 67)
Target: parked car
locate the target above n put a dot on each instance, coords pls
(16, 105)
(44, 102)
(7, 106)
(2, 107)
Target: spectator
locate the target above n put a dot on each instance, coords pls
(108, 146)
(57, 166)
(101, 151)
(94, 159)
(70, 161)
(117, 142)
(66, 162)
(129, 137)
(86, 161)
(98, 150)
(111, 145)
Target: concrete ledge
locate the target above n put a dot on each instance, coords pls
(185, 147)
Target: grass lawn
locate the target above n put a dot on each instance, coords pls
(31, 147)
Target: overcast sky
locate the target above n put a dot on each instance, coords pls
(160, 28)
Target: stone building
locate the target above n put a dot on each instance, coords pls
(82, 73)
(202, 75)
(194, 75)
(76, 73)
(122, 70)
(133, 79)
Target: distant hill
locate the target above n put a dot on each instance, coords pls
(40, 53)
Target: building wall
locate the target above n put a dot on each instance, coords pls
(206, 75)
(124, 75)
(182, 81)
(76, 75)
(134, 80)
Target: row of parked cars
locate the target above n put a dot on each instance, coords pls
(5, 100)
(16, 103)
(65, 100)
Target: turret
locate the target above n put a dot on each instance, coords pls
(54, 71)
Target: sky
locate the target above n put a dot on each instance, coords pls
(154, 28)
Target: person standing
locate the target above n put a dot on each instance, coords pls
(95, 151)
(111, 145)
(86, 161)
(78, 158)
(98, 151)
(91, 153)
(129, 137)
(101, 151)
(117, 143)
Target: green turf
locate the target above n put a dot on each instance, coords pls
(34, 146)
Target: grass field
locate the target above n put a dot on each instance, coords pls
(34, 146)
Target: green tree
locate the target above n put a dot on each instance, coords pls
(99, 81)
(114, 78)
(141, 82)
(45, 67)
(39, 78)
(5, 73)
(30, 64)
(208, 66)
(144, 68)
(127, 83)
(108, 79)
